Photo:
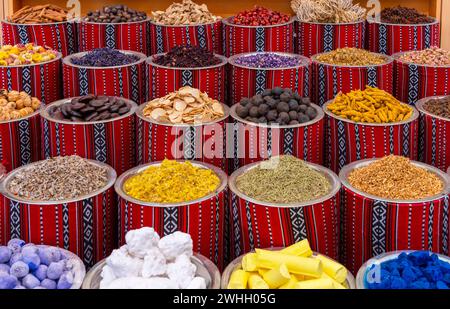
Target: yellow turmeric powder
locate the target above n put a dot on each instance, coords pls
(171, 182)
(371, 105)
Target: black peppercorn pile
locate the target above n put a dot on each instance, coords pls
(276, 106)
(90, 108)
(404, 15)
(438, 107)
(187, 57)
(115, 14)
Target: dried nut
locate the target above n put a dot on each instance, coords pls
(15, 105)
(187, 105)
(185, 13)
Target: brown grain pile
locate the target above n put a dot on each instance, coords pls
(395, 177)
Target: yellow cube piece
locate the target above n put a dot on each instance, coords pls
(262, 271)
(315, 284)
(291, 284)
(255, 282)
(295, 264)
(333, 269)
(249, 262)
(277, 277)
(301, 248)
(238, 280)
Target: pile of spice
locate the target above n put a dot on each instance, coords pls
(294, 267)
(260, 16)
(439, 107)
(21, 54)
(39, 14)
(283, 179)
(268, 60)
(187, 105)
(105, 57)
(16, 105)
(417, 270)
(371, 105)
(187, 57)
(404, 15)
(433, 56)
(58, 178)
(276, 106)
(90, 108)
(147, 261)
(395, 177)
(352, 57)
(185, 13)
(118, 13)
(328, 11)
(171, 182)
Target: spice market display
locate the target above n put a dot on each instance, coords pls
(146, 146)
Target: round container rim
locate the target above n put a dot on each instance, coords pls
(112, 175)
(206, 263)
(413, 118)
(142, 58)
(374, 21)
(419, 105)
(223, 59)
(140, 109)
(57, 58)
(333, 24)
(329, 174)
(397, 56)
(45, 112)
(389, 60)
(36, 112)
(304, 61)
(235, 263)
(384, 257)
(219, 20)
(227, 22)
(39, 24)
(82, 21)
(319, 117)
(118, 186)
(346, 170)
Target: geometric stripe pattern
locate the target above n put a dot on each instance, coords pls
(170, 220)
(110, 36)
(298, 223)
(379, 212)
(25, 142)
(260, 39)
(100, 144)
(14, 218)
(88, 232)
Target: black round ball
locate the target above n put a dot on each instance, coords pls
(283, 107)
(272, 115)
(242, 111)
(293, 115)
(244, 101)
(263, 109)
(311, 113)
(293, 122)
(293, 105)
(253, 112)
(284, 117)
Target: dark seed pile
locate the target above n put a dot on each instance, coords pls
(438, 107)
(115, 14)
(404, 15)
(91, 108)
(187, 57)
(276, 106)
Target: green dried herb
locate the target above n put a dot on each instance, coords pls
(285, 180)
